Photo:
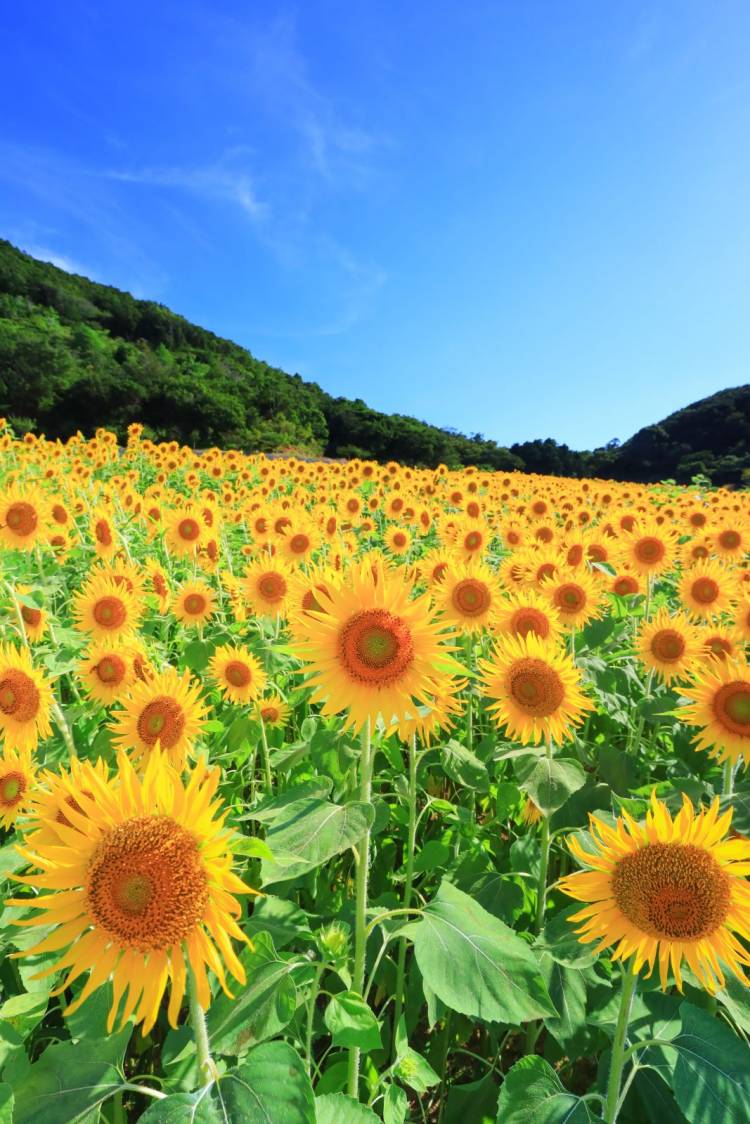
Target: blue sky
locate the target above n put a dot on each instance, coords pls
(522, 218)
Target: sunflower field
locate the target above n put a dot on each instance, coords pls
(336, 793)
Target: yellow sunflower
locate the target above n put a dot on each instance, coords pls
(375, 652)
(666, 890)
(468, 597)
(707, 589)
(721, 642)
(138, 888)
(24, 517)
(648, 547)
(237, 672)
(669, 643)
(575, 595)
(299, 541)
(434, 565)
(106, 609)
(103, 533)
(16, 785)
(194, 603)
(273, 710)
(25, 700)
(742, 617)
(165, 712)
(266, 586)
(184, 531)
(106, 673)
(528, 612)
(536, 689)
(55, 794)
(398, 540)
(34, 618)
(720, 704)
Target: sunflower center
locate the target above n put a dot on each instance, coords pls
(12, 788)
(529, 620)
(730, 540)
(19, 695)
(672, 890)
(575, 555)
(705, 590)
(731, 706)
(195, 603)
(375, 647)
(570, 598)
(473, 540)
(719, 646)
(299, 543)
(625, 586)
(188, 529)
(399, 539)
(238, 673)
(439, 571)
(272, 587)
(111, 669)
(103, 533)
(270, 713)
(546, 570)
(147, 886)
(667, 644)
(109, 612)
(22, 518)
(471, 597)
(161, 720)
(536, 687)
(649, 549)
(59, 514)
(31, 616)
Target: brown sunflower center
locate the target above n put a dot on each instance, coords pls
(528, 620)
(570, 598)
(270, 713)
(730, 540)
(705, 590)
(272, 587)
(672, 890)
(399, 539)
(536, 687)
(195, 603)
(719, 646)
(162, 720)
(626, 585)
(111, 669)
(667, 644)
(439, 571)
(59, 514)
(546, 570)
(698, 519)
(12, 788)
(189, 529)
(731, 706)
(238, 673)
(147, 887)
(31, 616)
(103, 533)
(575, 555)
(299, 543)
(649, 549)
(19, 695)
(471, 597)
(110, 612)
(22, 518)
(473, 541)
(375, 647)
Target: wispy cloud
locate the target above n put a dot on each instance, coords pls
(62, 261)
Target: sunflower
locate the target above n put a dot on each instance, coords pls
(470, 538)
(707, 589)
(103, 533)
(138, 888)
(575, 595)
(16, 785)
(55, 794)
(536, 689)
(106, 609)
(238, 673)
(375, 651)
(266, 586)
(434, 565)
(398, 540)
(530, 813)
(626, 583)
(165, 711)
(299, 541)
(34, 618)
(106, 673)
(25, 700)
(273, 710)
(648, 547)
(24, 517)
(666, 890)
(720, 695)
(194, 603)
(668, 644)
(468, 597)
(742, 617)
(184, 531)
(730, 540)
(528, 612)
(157, 582)
(427, 721)
(721, 642)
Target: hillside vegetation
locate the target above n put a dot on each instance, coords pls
(75, 355)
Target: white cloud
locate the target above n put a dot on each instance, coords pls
(218, 181)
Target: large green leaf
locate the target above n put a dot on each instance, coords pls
(567, 989)
(711, 1079)
(338, 1108)
(351, 1022)
(203, 1107)
(532, 1093)
(270, 1087)
(263, 1006)
(308, 832)
(475, 963)
(549, 781)
(464, 767)
(68, 1081)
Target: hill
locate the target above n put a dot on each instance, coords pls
(75, 354)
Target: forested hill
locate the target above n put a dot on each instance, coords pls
(75, 355)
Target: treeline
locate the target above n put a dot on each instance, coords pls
(75, 355)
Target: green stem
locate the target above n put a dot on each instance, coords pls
(130, 1087)
(532, 1028)
(411, 840)
(629, 981)
(266, 759)
(728, 788)
(206, 1066)
(312, 1000)
(360, 920)
(64, 729)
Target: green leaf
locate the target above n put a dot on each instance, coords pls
(315, 789)
(395, 1105)
(263, 1007)
(351, 1022)
(475, 963)
(472, 1103)
(309, 832)
(464, 767)
(532, 1093)
(415, 1071)
(711, 1079)
(567, 990)
(549, 781)
(433, 856)
(203, 1107)
(560, 941)
(284, 920)
(67, 1081)
(338, 1108)
(196, 655)
(270, 1087)
(6, 1104)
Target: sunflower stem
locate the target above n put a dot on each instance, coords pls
(64, 729)
(206, 1066)
(266, 758)
(629, 981)
(411, 840)
(728, 787)
(360, 919)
